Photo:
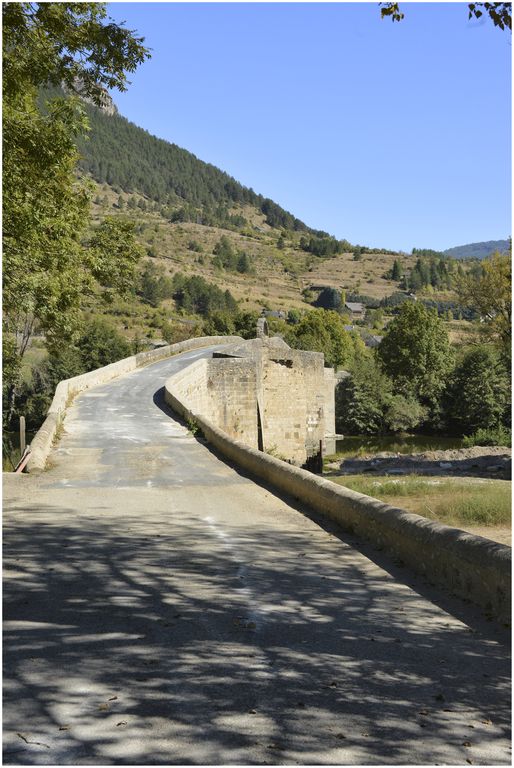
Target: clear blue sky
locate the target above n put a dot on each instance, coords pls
(393, 135)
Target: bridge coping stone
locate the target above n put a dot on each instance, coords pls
(472, 567)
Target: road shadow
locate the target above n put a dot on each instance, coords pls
(463, 609)
(160, 402)
(149, 640)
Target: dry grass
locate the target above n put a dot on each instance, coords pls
(464, 501)
(343, 272)
(279, 275)
(463, 332)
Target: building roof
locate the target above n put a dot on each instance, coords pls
(354, 306)
(373, 341)
(275, 313)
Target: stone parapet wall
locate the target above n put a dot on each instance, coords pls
(469, 566)
(292, 404)
(284, 411)
(223, 391)
(192, 383)
(232, 388)
(292, 398)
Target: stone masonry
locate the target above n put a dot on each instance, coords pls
(274, 398)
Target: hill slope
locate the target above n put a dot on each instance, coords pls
(477, 250)
(197, 221)
(121, 154)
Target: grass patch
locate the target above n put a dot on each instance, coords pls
(486, 502)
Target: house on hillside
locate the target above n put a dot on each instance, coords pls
(372, 341)
(356, 309)
(279, 314)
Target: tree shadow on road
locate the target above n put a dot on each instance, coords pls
(153, 639)
(464, 609)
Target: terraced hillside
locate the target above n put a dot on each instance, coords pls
(186, 208)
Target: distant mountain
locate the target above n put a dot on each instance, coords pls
(477, 250)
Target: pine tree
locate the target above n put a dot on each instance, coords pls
(396, 273)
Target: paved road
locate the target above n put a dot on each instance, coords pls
(160, 608)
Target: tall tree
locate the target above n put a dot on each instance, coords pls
(75, 44)
(396, 272)
(329, 298)
(479, 393)
(47, 269)
(323, 331)
(489, 292)
(362, 398)
(415, 352)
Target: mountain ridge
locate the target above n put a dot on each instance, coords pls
(480, 250)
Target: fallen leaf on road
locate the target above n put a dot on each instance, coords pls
(64, 727)
(113, 698)
(103, 707)
(122, 722)
(466, 743)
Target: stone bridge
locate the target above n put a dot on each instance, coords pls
(165, 605)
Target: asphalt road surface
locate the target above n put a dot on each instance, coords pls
(162, 608)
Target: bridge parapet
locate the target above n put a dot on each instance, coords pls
(472, 567)
(266, 394)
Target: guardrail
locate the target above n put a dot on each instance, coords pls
(469, 566)
(41, 444)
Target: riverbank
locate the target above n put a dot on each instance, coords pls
(467, 488)
(478, 461)
(477, 505)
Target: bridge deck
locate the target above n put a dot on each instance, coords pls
(162, 608)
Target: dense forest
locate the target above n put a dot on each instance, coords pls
(121, 154)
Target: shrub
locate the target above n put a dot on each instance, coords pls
(498, 436)
(404, 413)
